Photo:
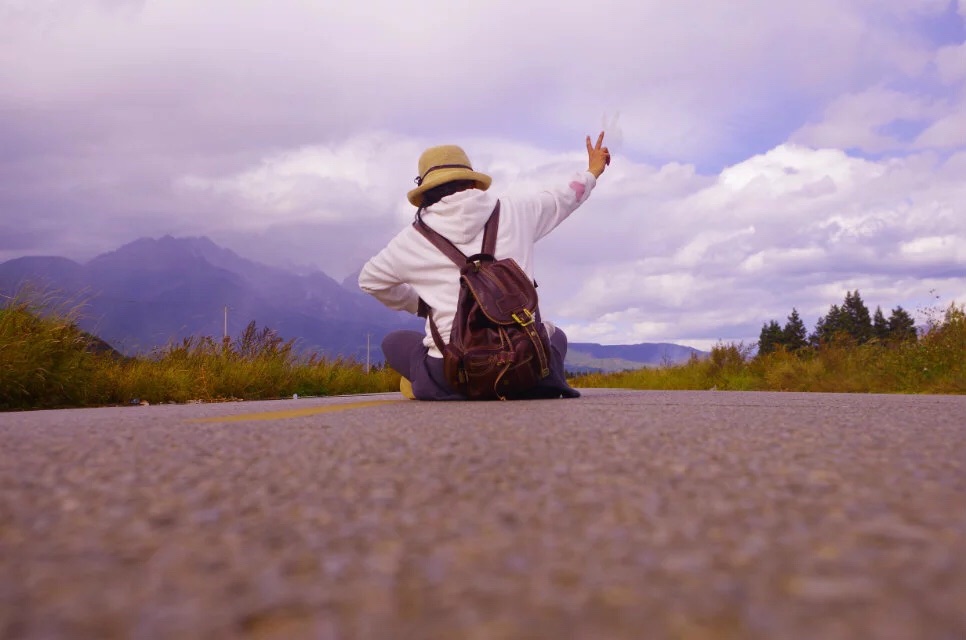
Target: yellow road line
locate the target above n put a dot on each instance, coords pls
(297, 413)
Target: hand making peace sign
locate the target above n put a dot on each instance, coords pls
(598, 156)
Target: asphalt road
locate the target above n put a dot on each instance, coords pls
(617, 515)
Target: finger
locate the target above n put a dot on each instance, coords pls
(606, 155)
(588, 145)
(600, 140)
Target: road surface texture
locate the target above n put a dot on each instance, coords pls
(618, 515)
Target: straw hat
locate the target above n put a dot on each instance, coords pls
(439, 165)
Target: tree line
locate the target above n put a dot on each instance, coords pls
(849, 321)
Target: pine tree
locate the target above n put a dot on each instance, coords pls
(832, 325)
(770, 338)
(901, 325)
(858, 323)
(880, 326)
(794, 335)
(815, 338)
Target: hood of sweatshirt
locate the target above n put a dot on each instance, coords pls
(461, 216)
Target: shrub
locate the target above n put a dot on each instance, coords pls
(46, 362)
(935, 363)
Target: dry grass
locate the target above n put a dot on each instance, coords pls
(935, 363)
(44, 358)
(47, 362)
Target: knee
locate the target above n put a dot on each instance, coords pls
(394, 338)
(387, 342)
(399, 345)
(559, 341)
(559, 336)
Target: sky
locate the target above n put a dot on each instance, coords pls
(766, 154)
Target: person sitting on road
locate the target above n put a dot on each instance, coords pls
(454, 201)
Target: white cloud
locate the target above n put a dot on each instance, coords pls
(948, 132)
(750, 247)
(343, 182)
(929, 248)
(687, 76)
(870, 119)
(951, 63)
(855, 120)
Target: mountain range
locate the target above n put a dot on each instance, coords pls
(153, 292)
(586, 357)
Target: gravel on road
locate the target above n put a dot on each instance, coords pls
(617, 515)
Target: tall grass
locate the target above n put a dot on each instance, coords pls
(44, 358)
(935, 363)
(256, 365)
(47, 362)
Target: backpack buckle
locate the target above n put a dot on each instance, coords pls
(523, 322)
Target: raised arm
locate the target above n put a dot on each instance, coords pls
(551, 207)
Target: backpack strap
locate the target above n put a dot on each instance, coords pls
(437, 338)
(490, 231)
(454, 254)
(448, 248)
(440, 242)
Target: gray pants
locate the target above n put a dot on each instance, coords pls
(405, 353)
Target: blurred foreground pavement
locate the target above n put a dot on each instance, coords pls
(617, 515)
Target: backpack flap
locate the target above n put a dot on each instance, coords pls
(506, 297)
(503, 291)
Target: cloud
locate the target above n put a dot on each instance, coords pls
(345, 181)
(297, 72)
(860, 120)
(951, 63)
(948, 132)
(755, 244)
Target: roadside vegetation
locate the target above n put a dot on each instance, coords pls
(47, 362)
(849, 351)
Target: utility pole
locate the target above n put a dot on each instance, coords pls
(226, 322)
(367, 352)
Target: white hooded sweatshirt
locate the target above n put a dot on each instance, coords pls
(410, 267)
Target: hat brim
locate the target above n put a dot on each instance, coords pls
(442, 176)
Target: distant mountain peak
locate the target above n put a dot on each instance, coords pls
(168, 242)
(151, 254)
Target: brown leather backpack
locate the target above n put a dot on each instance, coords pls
(498, 347)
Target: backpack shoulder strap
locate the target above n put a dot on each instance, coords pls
(448, 248)
(425, 312)
(490, 231)
(441, 243)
